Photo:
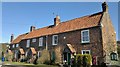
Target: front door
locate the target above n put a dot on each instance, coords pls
(67, 57)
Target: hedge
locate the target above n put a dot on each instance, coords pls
(89, 58)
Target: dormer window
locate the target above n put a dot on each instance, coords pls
(55, 39)
(85, 36)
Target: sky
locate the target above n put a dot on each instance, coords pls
(17, 17)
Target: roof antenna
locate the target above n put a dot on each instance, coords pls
(53, 14)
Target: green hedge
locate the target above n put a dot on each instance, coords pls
(89, 58)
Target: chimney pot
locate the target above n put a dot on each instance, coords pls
(104, 7)
(32, 28)
(12, 37)
(56, 20)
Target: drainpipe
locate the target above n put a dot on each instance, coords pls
(46, 43)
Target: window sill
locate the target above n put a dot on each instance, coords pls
(40, 46)
(54, 44)
(85, 42)
(27, 47)
(114, 60)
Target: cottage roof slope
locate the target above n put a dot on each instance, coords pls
(70, 25)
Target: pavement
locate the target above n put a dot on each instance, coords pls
(0, 63)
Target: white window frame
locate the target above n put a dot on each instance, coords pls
(28, 43)
(41, 41)
(34, 40)
(17, 45)
(82, 36)
(26, 53)
(38, 53)
(13, 46)
(53, 40)
(85, 50)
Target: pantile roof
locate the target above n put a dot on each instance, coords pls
(18, 39)
(71, 25)
(75, 24)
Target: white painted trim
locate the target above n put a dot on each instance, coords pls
(53, 39)
(102, 25)
(28, 43)
(41, 41)
(34, 40)
(85, 50)
(13, 46)
(26, 53)
(17, 45)
(82, 36)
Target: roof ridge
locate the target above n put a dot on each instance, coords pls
(83, 16)
(86, 21)
(73, 19)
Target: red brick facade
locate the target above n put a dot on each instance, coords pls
(101, 33)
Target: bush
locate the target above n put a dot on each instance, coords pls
(89, 58)
(45, 57)
(9, 57)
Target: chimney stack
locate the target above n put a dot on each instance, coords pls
(32, 28)
(56, 20)
(104, 7)
(12, 37)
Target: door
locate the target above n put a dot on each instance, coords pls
(67, 58)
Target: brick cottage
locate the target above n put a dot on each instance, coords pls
(92, 34)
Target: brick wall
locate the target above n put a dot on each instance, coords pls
(108, 37)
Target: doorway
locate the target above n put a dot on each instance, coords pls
(67, 56)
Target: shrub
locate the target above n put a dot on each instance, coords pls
(89, 58)
(45, 57)
(9, 56)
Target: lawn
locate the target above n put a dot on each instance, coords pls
(14, 64)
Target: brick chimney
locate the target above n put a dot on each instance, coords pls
(12, 37)
(56, 20)
(104, 7)
(32, 28)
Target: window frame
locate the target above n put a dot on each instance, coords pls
(28, 43)
(39, 53)
(41, 42)
(85, 50)
(87, 35)
(53, 40)
(114, 56)
(34, 40)
(13, 46)
(17, 45)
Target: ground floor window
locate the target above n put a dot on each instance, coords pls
(113, 56)
(85, 51)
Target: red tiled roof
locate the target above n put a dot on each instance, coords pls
(77, 23)
(19, 38)
(74, 24)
